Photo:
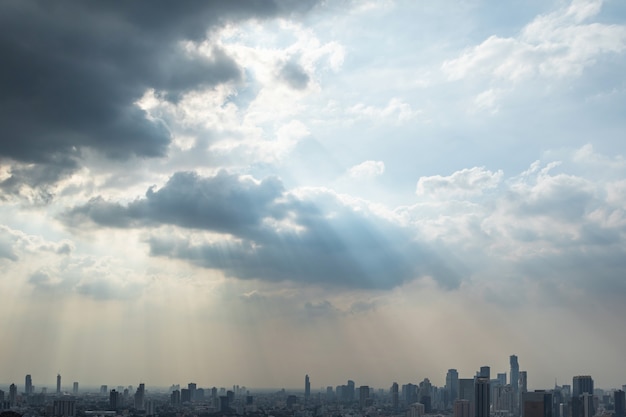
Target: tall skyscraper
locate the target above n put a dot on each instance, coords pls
(582, 384)
(425, 395)
(192, 387)
(466, 392)
(514, 375)
(140, 397)
(452, 385)
(523, 381)
(582, 396)
(28, 385)
(350, 391)
(395, 398)
(13, 395)
(618, 399)
(307, 388)
(115, 400)
(485, 372)
(75, 388)
(481, 397)
(58, 384)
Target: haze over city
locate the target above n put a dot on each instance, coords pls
(249, 192)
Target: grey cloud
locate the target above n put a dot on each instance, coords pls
(294, 75)
(72, 71)
(224, 203)
(278, 237)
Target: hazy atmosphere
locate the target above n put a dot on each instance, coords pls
(235, 192)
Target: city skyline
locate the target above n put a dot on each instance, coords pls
(249, 192)
(577, 382)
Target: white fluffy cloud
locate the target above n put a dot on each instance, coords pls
(367, 169)
(466, 182)
(561, 43)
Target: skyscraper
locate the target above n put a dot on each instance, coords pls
(425, 395)
(481, 397)
(395, 400)
(619, 397)
(13, 395)
(58, 384)
(485, 372)
(523, 381)
(462, 408)
(192, 387)
(466, 392)
(501, 379)
(28, 385)
(536, 404)
(582, 384)
(75, 388)
(307, 388)
(364, 395)
(514, 376)
(140, 399)
(582, 396)
(452, 385)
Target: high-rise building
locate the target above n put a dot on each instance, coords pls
(395, 399)
(501, 377)
(140, 397)
(425, 395)
(618, 401)
(13, 395)
(350, 391)
(523, 381)
(28, 385)
(481, 397)
(536, 404)
(485, 372)
(503, 398)
(364, 395)
(452, 385)
(115, 400)
(75, 388)
(462, 408)
(307, 388)
(64, 408)
(192, 387)
(58, 384)
(582, 384)
(466, 392)
(514, 375)
(175, 398)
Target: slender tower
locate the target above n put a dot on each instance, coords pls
(307, 388)
(58, 384)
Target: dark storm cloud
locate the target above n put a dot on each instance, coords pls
(71, 72)
(278, 236)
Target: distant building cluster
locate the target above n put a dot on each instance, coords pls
(477, 396)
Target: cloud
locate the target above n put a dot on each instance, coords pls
(270, 234)
(73, 73)
(367, 169)
(553, 45)
(294, 75)
(396, 111)
(466, 182)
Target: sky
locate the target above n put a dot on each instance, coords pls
(248, 192)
